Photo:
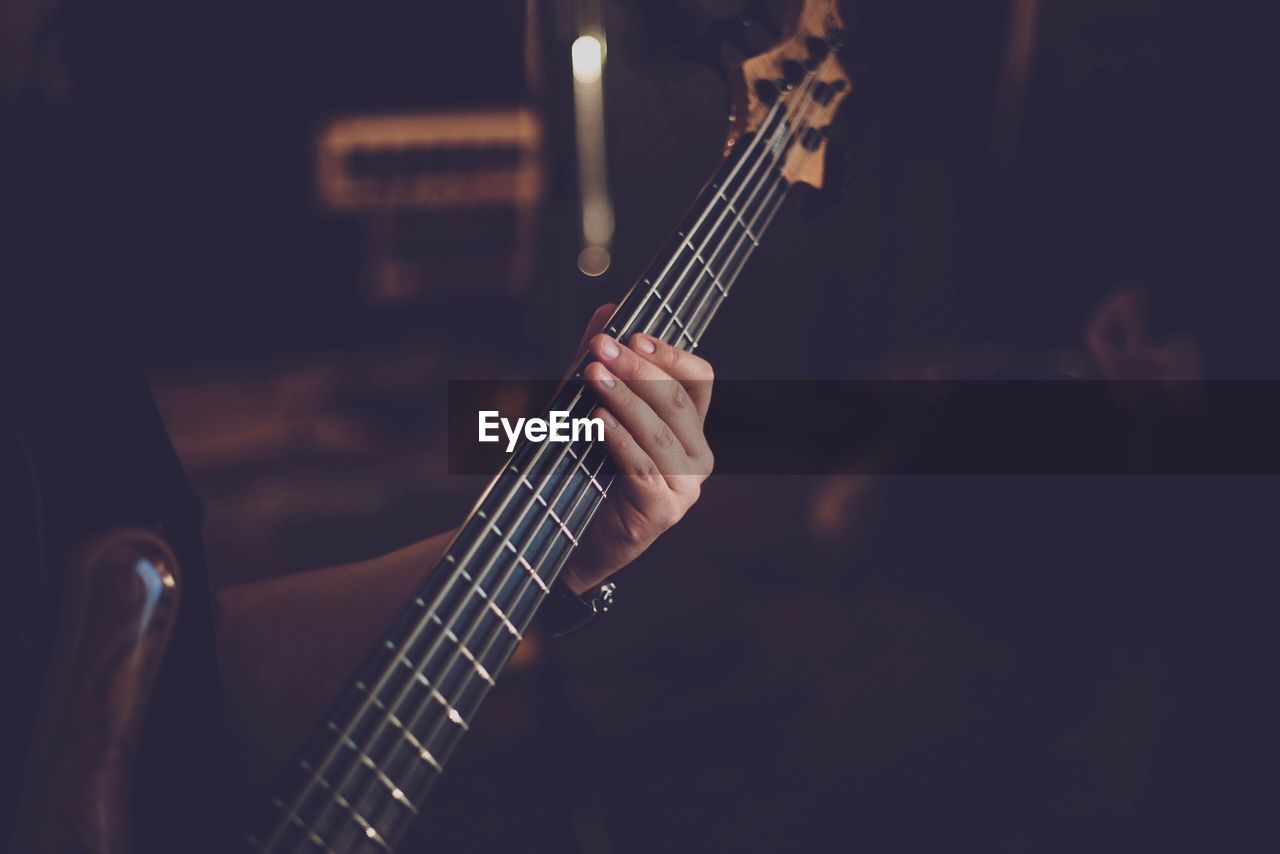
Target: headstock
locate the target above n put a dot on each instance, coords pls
(803, 74)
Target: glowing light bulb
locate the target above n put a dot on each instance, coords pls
(588, 58)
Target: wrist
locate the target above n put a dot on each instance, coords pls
(565, 612)
(578, 581)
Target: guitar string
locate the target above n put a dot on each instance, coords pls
(760, 222)
(682, 333)
(719, 298)
(442, 753)
(500, 550)
(465, 640)
(585, 489)
(586, 486)
(787, 134)
(767, 216)
(808, 105)
(764, 212)
(336, 748)
(720, 291)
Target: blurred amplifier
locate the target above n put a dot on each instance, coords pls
(431, 160)
(450, 199)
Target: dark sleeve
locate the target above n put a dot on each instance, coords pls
(84, 449)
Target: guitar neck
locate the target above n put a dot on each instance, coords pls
(364, 774)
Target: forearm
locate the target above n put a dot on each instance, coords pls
(288, 645)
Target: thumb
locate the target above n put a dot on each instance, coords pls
(597, 322)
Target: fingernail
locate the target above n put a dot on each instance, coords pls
(608, 419)
(644, 344)
(610, 349)
(606, 380)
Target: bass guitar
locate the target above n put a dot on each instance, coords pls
(362, 777)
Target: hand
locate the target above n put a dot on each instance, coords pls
(654, 400)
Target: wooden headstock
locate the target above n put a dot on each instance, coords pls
(804, 73)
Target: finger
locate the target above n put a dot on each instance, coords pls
(597, 322)
(665, 396)
(649, 432)
(693, 372)
(643, 482)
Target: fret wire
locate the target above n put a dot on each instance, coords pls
(450, 580)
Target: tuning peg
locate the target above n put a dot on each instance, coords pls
(792, 73)
(818, 50)
(766, 91)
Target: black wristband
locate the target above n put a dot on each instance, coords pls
(564, 612)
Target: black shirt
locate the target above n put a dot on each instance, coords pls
(83, 450)
(82, 446)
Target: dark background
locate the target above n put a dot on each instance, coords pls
(870, 664)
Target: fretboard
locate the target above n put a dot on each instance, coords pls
(363, 776)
